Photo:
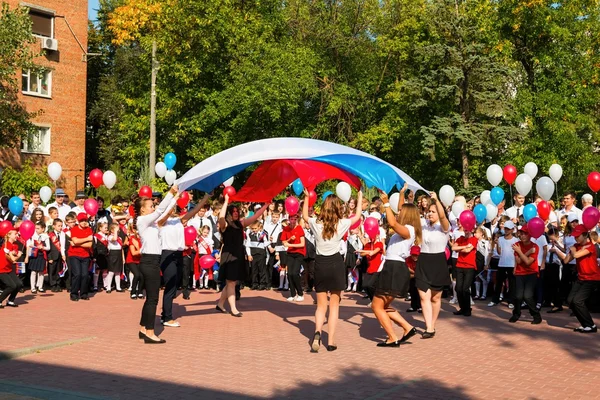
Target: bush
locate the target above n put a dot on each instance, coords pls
(24, 181)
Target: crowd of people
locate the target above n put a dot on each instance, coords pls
(421, 254)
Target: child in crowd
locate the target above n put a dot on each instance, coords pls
(353, 247)
(100, 255)
(411, 264)
(526, 275)
(483, 256)
(133, 261)
(116, 258)
(56, 256)
(257, 242)
(506, 265)
(372, 250)
(466, 267)
(38, 247)
(281, 257)
(9, 254)
(205, 247)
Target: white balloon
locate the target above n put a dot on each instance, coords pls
(161, 169)
(394, 199)
(447, 195)
(109, 179)
(492, 211)
(485, 198)
(45, 193)
(523, 184)
(170, 176)
(545, 187)
(531, 169)
(343, 191)
(457, 208)
(229, 182)
(54, 171)
(494, 174)
(555, 172)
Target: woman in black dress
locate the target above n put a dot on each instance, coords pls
(232, 267)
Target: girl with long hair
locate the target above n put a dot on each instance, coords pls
(394, 278)
(9, 254)
(232, 267)
(330, 271)
(431, 273)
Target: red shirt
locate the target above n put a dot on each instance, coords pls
(78, 251)
(467, 260)
(6, 266)
(533, 268)
(374, 261)
(131, 259)
(298, 232)
(587, 266)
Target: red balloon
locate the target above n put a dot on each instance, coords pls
(593, 181)
(292, 205)
(96, 178)
(145, 191)
(312, 197)
(5, 227)
(183, 200)
(510, 174)
(590, 218)
(468, 220)
(371, 226)
(230, 191)
(357, 224)
(536, 227)
(207, 261)
(190, 235)
(26, 230)
(90, 206)
(543, 209)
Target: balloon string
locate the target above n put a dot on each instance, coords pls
(511, 196)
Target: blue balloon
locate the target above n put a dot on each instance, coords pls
(529, 212)
(497, 195)
(298, 187)
(480, 213)
(326, 194)
(15, 205)
(170, 160)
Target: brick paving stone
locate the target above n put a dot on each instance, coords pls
(265, 354)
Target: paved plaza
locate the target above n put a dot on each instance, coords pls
(53, 348)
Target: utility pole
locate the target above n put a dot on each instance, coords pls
(153, 112)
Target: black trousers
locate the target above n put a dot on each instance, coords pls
(569, 276)
(12, 285)
(501, 275)
(580, 292)
(294, 261)
(258, 267)
(525, 291)
(171, 265)
(53, 268)
(309, 273)
(271, 272)
(552, 284)
(137, 283)
(464, 280)
(150, 269)
(415, 299)
(80, 276)
(188, 271)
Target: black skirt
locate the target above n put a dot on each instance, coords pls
(330, 273)
(36, 264)
(370, 280)
(115, 261)
(394, 279)
(232, 268)
(432, 272)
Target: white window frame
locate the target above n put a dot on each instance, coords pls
(39, 82)
(46, 145)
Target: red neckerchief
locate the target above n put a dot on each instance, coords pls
(204, 245)
(36, 251)
(119, 240)
(100, 237)
(55, 241)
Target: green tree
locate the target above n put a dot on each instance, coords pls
(23, 181)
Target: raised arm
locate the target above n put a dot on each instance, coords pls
(356, 216)
(441, 212)
(305, 206)
(401, 197)
(391, 218)
(222, 223)
(249, 221)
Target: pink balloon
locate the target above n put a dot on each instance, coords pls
(371, 226)
(91, 206)
(357, 224)
(536, 227)
(190, 235)
(207, 261)
(467, 220)
(26, 230)
(590, 217)
(292, 205)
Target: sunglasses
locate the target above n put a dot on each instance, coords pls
(372, 209)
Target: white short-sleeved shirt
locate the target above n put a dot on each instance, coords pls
(455, 235)
(398, 249)
(435, 240)
(331, 246)
(569, 241)
(541, 242)
(171, 235)
(507, 254)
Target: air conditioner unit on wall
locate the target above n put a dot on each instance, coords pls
(50, 44)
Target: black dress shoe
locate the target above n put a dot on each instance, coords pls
(141, 335)
(219, 309)
(389, 344)
(459, 312)
(74, 298)
(315, 343)
(186, 297)
(148, 340)
(467, 314)
(555, 310)
(427, 335)
(408, 335)
(11, 304)
(84, 298)
(239, 314)
(331, 347)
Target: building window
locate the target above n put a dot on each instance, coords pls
(42, 23)
(37, 84)
(37, 142)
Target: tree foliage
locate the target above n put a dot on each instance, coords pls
(23, 181)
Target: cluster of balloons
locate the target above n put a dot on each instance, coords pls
(97, 178)
(524, 182)
(165, 169)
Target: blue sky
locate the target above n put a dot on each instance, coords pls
(92, 7)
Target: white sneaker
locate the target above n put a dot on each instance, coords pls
(491, 304)
(369, 305)
(454, 300)
(511, 306)
(129, 289)
(472, 302)
(299, 298)
(523, 304)
(501, 297)
(290, 299)
(174, 324)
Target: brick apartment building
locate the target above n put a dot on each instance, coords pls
(61, 29)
